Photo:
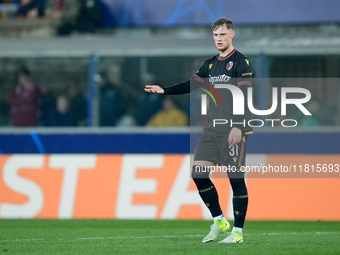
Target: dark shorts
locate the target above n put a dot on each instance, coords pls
(216, 149)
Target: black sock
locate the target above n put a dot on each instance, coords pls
(209, 195)
(240, 200)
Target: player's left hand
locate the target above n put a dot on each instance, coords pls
(234, 136)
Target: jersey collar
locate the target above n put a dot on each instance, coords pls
(224, 58)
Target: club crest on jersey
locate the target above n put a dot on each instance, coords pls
(230, 65)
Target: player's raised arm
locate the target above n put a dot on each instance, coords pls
(177, 89)
(154, 89)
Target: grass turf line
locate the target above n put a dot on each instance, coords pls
(163, 237)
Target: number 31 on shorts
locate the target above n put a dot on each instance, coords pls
(233, 150)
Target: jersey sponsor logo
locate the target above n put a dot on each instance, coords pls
(247, 74)
(235, 159)
(247, 61)
(220, 78)
(210, 66)
(230, 65)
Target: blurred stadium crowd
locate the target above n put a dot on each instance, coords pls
(54, 91)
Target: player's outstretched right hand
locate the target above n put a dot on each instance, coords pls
(154, 89)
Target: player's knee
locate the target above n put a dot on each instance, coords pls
(200, 176)
(237, 181)
(199, 172)
(238, 186)
(235, 173)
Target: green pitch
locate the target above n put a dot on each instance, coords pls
(163, 237)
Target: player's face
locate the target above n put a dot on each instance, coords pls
(223, 38)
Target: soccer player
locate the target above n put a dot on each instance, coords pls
(223, 145)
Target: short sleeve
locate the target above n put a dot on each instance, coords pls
(244, 72)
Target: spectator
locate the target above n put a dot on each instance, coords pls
(89, 16)
(30, 9)
(127, 120)
(78, 102)
(168, 116)
(83, 16)
(147, 103)
(65, 11)
(63, 115)
(57, 8)
(47, 103)
(112, 104)
(24, 100)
